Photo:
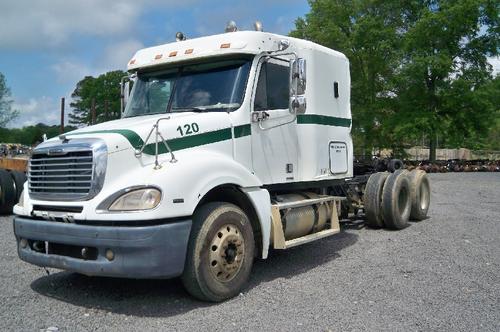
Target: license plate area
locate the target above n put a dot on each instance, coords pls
(66, 250)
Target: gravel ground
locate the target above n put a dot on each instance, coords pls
(440, 274)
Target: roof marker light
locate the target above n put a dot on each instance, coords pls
(174, 53)
(189, 51)
(132, 62)
(258, 26)
(226, 45)
(158, 56)
(231, 26)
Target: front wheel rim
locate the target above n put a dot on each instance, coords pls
(227, 250)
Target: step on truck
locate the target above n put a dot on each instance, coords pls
(228, 146)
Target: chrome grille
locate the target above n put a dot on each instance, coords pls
(70, 174)
(66, 172)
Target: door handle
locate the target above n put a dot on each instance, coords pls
(260, 116)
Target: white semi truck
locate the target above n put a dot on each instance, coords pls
(227, 147)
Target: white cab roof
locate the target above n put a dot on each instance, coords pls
(241, 42)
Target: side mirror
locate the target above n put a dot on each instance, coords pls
(125, 85)
(298, 79)
(126, 93)
(298, 86)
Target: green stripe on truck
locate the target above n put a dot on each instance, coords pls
(215, 136)
(323, 120)
(134, 139)
(242, 131)
(190, 141)
(176, 144)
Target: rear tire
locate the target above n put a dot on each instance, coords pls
(220, 252)
(420, 194)
(7, 192)
(373, 199)
(19, 180)
(394, 165)
(396, 200)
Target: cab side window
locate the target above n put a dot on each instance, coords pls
(273, 90)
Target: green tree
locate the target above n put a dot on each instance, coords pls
(6, 112)
(30, 135)
(105, 90)
(417, 67)
(367, 33)
(442, 85)
(491, 93)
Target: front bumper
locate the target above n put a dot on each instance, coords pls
(139, 252)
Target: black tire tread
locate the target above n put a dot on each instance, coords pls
(8, 193)
(201, 224)
(392, 218)
(19, 180)
(418, 178)
(395, 165)
(372, 199)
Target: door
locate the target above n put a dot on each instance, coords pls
(274, 135)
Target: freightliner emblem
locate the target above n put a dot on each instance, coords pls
(54, 152)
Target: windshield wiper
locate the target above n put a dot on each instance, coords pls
(208, 108)
(190, 109)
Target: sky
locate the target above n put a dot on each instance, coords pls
(47, 46)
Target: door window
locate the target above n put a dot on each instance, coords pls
(273, 90)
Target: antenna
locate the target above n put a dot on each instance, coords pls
(179, 36)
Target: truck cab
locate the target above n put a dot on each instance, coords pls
(228, 145)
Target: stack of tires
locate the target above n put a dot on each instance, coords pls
(392, 199)
(11, 186)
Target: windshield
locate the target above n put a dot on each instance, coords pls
(214, 86)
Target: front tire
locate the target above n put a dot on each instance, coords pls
(220, 252)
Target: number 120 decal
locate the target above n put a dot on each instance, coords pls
(188, 129)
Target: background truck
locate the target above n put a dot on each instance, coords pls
(12, 176)
(227, 147)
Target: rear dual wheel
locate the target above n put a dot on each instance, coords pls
(220, 252)
(391, 200)
(373, 199)
(420, 192)
(396, 200)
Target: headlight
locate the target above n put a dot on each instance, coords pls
(141, 199)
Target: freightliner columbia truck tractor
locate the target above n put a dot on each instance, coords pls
(228, 146)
